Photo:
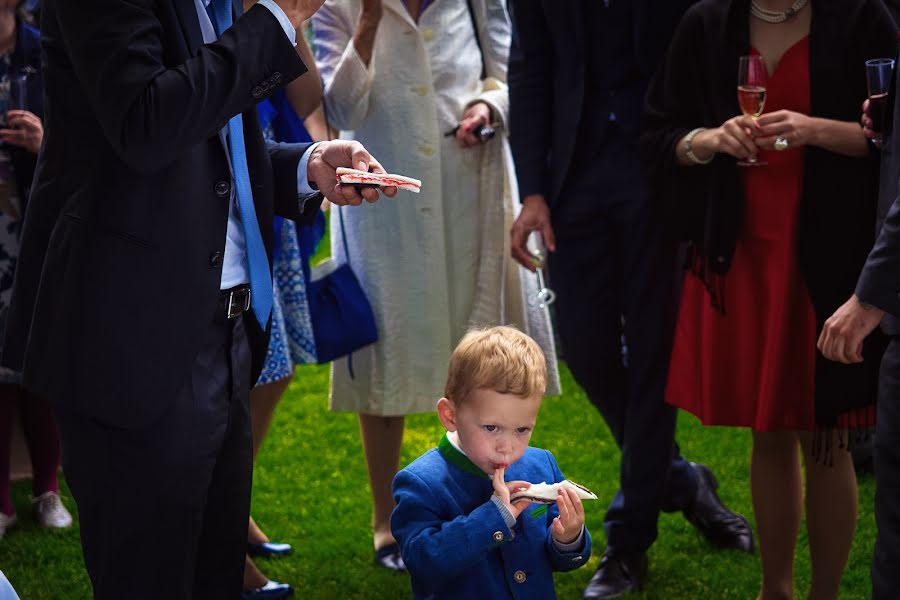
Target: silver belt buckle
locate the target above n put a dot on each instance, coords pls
(235, 307)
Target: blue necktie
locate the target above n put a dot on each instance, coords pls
(260, 276)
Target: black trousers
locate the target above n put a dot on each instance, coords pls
(886, 563)
(612, 262)
(163, 509)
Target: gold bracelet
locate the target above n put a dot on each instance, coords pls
(688, 150)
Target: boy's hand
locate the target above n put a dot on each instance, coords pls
(567, 526)
(504, 488)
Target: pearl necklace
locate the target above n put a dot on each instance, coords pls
(776, 16)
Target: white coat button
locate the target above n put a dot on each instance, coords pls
(498, 536)
(428, 34)
(421, 90)
(428, 150)
(519, 576)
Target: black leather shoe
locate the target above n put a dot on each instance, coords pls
(617, 575)
(271, 591)
(389, 558)
(268, 549)
(721, 526)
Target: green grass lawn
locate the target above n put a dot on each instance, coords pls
(311, 490)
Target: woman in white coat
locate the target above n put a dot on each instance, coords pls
(399, 75)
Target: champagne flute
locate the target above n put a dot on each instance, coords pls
(751, 94)
(878, 78)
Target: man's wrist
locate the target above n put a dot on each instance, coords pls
(867, 306)
(306, 184)
(534, 199)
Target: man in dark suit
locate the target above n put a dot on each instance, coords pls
(142, 300)
(877, 301)
(577, 76)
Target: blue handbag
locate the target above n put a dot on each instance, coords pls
(342, 318)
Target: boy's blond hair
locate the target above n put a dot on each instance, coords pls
(502, 359)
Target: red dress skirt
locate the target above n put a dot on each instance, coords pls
(755, 365)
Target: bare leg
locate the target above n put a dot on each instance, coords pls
(253, 577)
(831, 504)
(777, 503)
(263, 400)
(382, 437)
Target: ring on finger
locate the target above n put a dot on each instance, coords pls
(781, 143)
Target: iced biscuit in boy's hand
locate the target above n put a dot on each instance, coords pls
(504, 488)
(567, 526)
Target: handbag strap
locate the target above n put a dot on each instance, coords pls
(477, 38)
(340, 213)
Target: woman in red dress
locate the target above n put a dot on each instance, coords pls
(764, 245)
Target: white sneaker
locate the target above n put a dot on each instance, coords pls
(6, 523)
(49, 511)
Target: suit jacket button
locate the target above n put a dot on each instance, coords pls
(498, 536)
(276, 76)
(217, 259)
(257, 92)
(223, 188)
(519, 576)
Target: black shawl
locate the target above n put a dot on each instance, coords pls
(696, 87)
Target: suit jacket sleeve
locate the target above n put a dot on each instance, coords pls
(436, 549)
(530, 96)
(347, 79)
(879, 282)
(494, 34)
(285, 160)
(149, 110)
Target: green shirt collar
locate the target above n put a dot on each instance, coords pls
(453, 456)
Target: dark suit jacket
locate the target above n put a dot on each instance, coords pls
(120, 263)
(889, 180)
(547, 82)
(879, 282)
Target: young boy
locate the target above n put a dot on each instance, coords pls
(459, 534)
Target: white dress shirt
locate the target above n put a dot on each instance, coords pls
(234, 268)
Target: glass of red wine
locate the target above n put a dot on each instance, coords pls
(878, 78)
(752, 79)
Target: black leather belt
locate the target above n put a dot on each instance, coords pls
(234, 301)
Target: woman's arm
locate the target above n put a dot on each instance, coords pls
(495, 36)
(840, 137)
(344, 54)
(305, 92)
(731, 138)
(317, 127)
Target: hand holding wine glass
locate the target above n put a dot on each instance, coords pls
(878, 79)
(751, 90)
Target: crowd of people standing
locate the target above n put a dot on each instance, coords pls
(608, 132)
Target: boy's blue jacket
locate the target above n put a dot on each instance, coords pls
(454, 540)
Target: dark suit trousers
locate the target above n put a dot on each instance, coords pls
(163, 509)
(885, 574)
(612, 263)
